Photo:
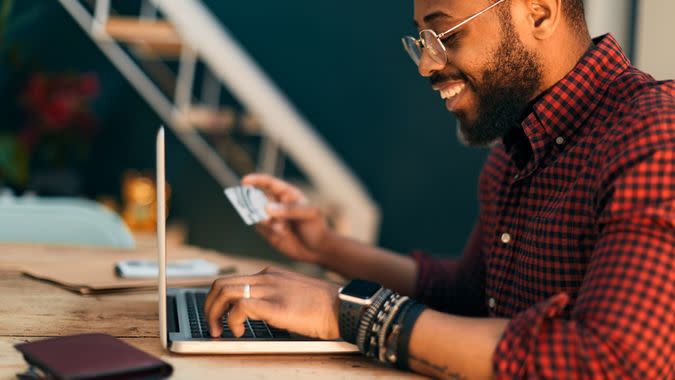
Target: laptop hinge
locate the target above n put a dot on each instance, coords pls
(171, 314)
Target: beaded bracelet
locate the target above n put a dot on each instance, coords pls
(385, 327)
(372, 350)
(368, 317)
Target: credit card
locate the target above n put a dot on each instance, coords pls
(249, 202)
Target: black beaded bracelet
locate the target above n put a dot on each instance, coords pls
(387, 326)
(407, 323)
(371, 346)
(368, 317)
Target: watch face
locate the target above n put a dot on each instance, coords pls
(361, 289)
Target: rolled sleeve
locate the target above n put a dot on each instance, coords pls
(515, 351)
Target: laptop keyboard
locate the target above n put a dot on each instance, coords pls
(200, 327)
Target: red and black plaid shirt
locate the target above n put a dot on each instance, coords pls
(576, 236)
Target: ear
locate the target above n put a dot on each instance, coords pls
(544, 17)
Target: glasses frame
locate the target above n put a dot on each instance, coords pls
(422, 45)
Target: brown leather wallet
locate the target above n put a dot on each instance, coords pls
(92, 356)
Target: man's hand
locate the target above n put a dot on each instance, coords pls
(295, 228)
(283, 299)
(299, 231)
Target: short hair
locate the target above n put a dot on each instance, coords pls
(574, 11)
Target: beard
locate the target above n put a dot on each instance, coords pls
(508, 85)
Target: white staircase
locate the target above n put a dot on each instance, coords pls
(140, 45)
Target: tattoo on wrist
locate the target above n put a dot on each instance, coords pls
(438, 370)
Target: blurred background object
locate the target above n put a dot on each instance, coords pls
(139, 209)
(644, 28)
(48, 131)
(365, 110)
(57, 129)
(61, 221)
(655, 38)
(140, 45)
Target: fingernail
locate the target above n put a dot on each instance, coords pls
(278, 227)
(274, 206)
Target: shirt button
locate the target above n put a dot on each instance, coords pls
(560, 140)
(492, 303)
(506, 238)
(515, 177)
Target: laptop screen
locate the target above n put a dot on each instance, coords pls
(161, 235)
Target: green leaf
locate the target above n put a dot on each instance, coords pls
(13, 161)
(5, 10)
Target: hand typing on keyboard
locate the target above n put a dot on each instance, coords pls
(253, 328)
(282, 299)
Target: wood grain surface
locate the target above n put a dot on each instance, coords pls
(32, 309)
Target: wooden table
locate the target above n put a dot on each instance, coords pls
(32, 310)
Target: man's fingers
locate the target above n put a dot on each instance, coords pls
(273, 186)
(221, 299)
(252, 308)
(273, 233)
(293, 211)
(266, 222)
(215, 289)
(274, 226)
(228, 296)
(222, 294)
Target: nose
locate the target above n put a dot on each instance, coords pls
(427, 65)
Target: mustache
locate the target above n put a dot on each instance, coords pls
(440, 78)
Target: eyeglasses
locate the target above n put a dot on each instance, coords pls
(434, 42)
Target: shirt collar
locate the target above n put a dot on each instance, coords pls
(559, 112)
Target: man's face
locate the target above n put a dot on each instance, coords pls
(490, 76)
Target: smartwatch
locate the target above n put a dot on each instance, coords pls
(355, 298)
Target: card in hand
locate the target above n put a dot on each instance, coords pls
(249, 202)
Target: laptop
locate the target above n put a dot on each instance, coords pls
(182, 324)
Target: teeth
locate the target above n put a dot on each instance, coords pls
(452, 91)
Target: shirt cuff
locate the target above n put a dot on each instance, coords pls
(436, 279)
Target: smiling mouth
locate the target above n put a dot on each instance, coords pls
(452, 91)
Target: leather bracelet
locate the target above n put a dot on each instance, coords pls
(392, 338)
(368, 317)
(385, 327)
(407, 324)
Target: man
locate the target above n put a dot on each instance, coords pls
(570, 270)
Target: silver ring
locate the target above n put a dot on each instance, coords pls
(247, 291)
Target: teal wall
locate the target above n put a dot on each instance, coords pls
(342, 65)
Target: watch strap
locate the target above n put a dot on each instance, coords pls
(350, 315)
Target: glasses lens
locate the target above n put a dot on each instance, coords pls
(434, 47)
(410, 45)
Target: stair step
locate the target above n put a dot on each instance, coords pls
(154, 50)
(210, 120)
(154, 37)
(250, 124)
